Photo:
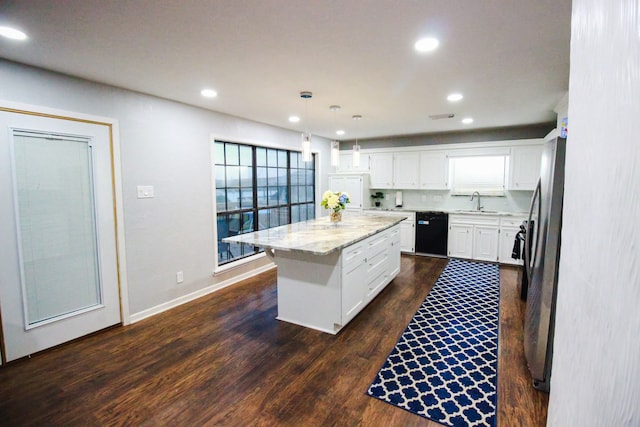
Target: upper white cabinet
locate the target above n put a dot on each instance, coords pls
(434, 170)
(346, 163)
(406, 170)
(356, 185)
(525, 167)
(381, 169)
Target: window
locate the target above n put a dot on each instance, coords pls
(258, 188)
(485, 174)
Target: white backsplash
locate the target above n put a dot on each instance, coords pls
(513, 201)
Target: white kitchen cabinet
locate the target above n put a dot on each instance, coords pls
(406, 170)
(460, 240)
(346, 163)
(353, 268)
(394, 251)
(509, 227)
(356, 185)
(407, 228)
(474, 237)
(381, 170)
(485, 242)
(434, 170)
(524, 169)
(408, 235)
(367, 267)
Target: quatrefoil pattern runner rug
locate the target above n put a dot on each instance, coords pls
(444, 366)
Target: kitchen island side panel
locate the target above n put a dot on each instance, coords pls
(309, 290)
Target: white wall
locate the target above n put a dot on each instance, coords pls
(595, 378)
(165, 144)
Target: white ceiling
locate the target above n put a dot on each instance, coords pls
(510, 58)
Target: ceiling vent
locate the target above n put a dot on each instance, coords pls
(442, 116)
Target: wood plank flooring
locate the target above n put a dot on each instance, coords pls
(224, 360)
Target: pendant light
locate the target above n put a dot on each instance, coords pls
(356, 148)
(306, 137)
(335, 145)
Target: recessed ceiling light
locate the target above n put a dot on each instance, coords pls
(454, 97)
(340, 132)
(208, 93)
(426, 45)
(467, 120)
(12, 33)
(294, 119)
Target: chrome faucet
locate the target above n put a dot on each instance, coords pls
(478, 207)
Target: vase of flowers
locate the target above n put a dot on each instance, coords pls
(336, 203)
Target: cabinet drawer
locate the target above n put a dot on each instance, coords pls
(474, 220)
(353, 255)
(394, 235)
(376, 244)
(377, 262)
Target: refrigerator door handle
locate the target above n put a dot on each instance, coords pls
(527, 235)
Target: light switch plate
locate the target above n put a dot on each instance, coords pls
(145, 191)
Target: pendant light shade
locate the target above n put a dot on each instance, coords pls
(306, 137)
(335, 153)
(356, 155)
(356, 148)
(306, 147)
(335, 145)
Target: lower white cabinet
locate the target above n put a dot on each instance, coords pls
(366, 268)
(407, 228)
(485, 242)
(474, 237)
(509, 227)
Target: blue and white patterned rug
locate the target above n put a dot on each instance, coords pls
(444, 366)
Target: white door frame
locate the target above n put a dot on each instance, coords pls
(114, 136)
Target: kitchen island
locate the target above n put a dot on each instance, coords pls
(328, 272)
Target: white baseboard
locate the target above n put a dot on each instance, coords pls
(197, 294)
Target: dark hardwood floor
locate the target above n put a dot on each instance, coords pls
(224, 360)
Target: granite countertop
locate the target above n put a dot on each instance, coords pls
(318, 236)
(449, 211)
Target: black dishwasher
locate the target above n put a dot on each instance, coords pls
(431, 233)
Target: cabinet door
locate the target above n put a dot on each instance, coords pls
(507, 239)
(485, 243)
(353, 186)
(434, 170)
(525, 167)
(460, 241)
(346, 162)
(406, 170)
(381, 169)
(353, 273)
(407, 236)
(336, 183)
(394, 251)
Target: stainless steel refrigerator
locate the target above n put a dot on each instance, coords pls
(542, 262)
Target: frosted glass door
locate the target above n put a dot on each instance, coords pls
(56, 219)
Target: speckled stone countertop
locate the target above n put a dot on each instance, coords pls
(450, 211)
(318, 236)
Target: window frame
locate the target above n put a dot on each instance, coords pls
(496, 191)
(312, 208)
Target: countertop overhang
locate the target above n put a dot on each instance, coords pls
(318, 236)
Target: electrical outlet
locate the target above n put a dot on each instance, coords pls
(423, 198)
(179, 277)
